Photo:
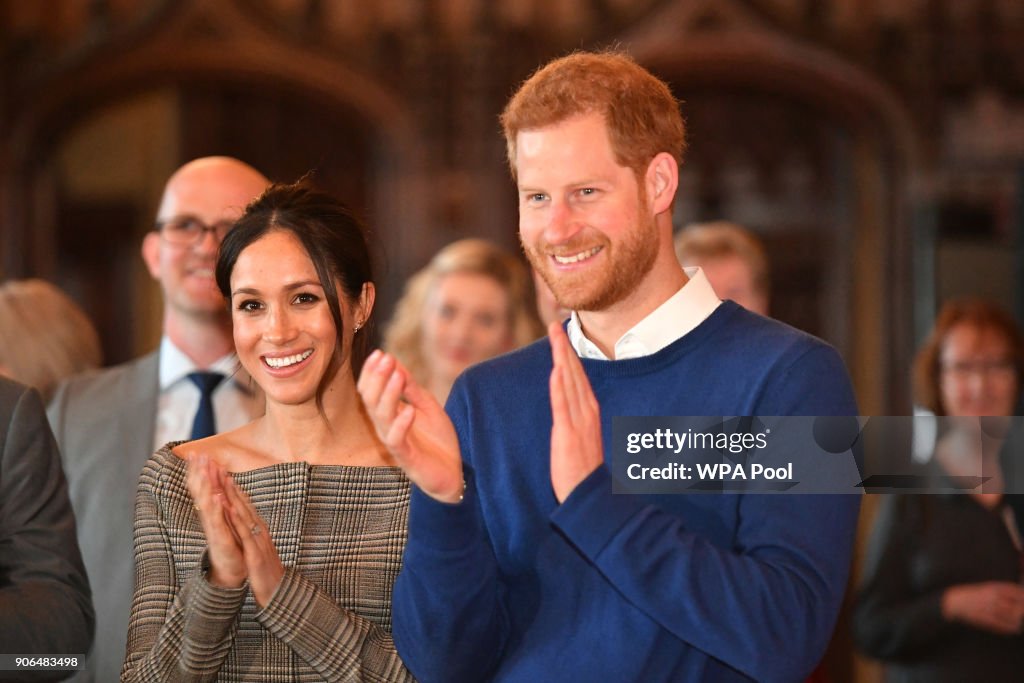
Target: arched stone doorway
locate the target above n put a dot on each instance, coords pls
(84, 160)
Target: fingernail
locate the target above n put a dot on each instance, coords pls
(374, 356)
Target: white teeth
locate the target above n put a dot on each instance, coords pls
(288, 360)
(576, 257)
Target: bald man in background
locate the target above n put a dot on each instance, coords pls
(109, 422)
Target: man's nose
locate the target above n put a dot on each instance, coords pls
(563, 223)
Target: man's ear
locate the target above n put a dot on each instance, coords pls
(151, 253)
(364, 307)
(662, 180)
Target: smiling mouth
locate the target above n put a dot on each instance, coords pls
(576, 258)
(285, 361)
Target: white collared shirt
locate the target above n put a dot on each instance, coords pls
(673, 319)
(236, 400)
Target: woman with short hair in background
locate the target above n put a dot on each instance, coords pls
(942, 598)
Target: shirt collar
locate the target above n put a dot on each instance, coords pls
(676, 317)
(175, 365)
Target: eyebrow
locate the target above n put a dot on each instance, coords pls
(290, 286)
(585, 182)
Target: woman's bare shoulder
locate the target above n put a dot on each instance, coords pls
(218, 447)
(235, 451)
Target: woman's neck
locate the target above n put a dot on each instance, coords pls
(342, 434)
(969, 452)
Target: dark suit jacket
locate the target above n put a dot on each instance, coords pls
(44, 594)
(104, 422)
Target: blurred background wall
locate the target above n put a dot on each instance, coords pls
(877, 146)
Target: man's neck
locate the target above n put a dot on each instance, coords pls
(604, 328)
(203, 339)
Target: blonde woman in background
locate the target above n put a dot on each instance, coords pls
(473, 301)
(44, 336)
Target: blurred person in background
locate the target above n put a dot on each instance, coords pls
(108, 423)
(44, 336)
(942, 598)
(45, 605)
(732, 258)
(470, 303)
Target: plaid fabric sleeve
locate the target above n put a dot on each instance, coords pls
(338, 644)
(175, 632)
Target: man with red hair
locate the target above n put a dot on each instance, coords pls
(521, 564)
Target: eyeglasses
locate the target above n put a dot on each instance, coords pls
(992, 368)
(189, 229)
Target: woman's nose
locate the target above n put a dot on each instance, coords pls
(280, 327)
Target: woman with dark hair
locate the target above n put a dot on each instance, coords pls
(268, 553)
(942, 598)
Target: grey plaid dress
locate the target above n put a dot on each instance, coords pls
(339, 531)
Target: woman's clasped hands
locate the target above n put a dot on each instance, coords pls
(238, 540)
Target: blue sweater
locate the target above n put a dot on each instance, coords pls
(511, 586)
